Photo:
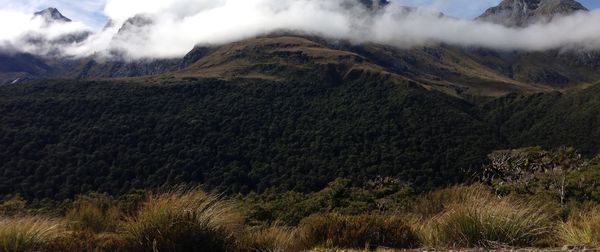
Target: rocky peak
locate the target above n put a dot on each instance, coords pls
(135, 23)
(51, 15)
(374, 4)
(521, 13)
(367, 4)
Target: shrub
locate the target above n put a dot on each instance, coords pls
(28, 233)
(14, 205)
(581, 228)
(94, 213)
(184, 220)
(357, 231)
(480, 219)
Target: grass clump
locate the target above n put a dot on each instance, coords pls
(357, 231)
(479, 219)
(582, 228)
(273, 239)
(94, 213)
(28, 233)
(184, 220)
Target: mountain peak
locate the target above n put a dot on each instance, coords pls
(522, 13)
(51, 15)
(374, 4)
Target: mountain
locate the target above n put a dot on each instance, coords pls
(51, 15)
(521, 13)
(134, 24)
(286, 111)
(462, 72)
(457, 71)
(19, 67)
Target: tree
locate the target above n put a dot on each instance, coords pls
(530, 170)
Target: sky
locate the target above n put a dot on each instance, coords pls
(92, 12)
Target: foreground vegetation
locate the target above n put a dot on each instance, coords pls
(192, 220)
(541, 200)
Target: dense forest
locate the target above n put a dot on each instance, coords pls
(62, 138)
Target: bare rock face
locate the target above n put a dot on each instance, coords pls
(521, 13)
(51, 15)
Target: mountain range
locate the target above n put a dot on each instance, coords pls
(290, 111)
(456, 70)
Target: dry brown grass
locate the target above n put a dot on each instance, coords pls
(472, 217)
(273, 239)
(28, 233)
(184, 220)
(94, 213)
(357, 231)
(581, 228)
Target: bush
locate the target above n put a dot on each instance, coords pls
(14, 205)
(28, 233)
(357, 231)
(94, 213)
(581, 228)
(184, 220)
(480, 219)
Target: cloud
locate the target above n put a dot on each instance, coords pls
(25, 33)
(89, 12)
(178, 25)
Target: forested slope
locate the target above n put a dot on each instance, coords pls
(59, 138)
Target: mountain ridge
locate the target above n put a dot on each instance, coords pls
(461, 72)
(521, 13)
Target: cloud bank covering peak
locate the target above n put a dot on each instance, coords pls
(171, 28)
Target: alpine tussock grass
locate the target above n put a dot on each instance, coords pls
(184, 220)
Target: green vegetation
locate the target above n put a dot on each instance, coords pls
(381, 213)
(320, 160)
(63, 138)
(550, 120)
(59, 139)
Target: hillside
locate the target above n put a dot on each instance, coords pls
(551, 119)
(460, 72)
(65, 137)
(287, 112)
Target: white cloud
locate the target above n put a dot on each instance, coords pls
(181, 24)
